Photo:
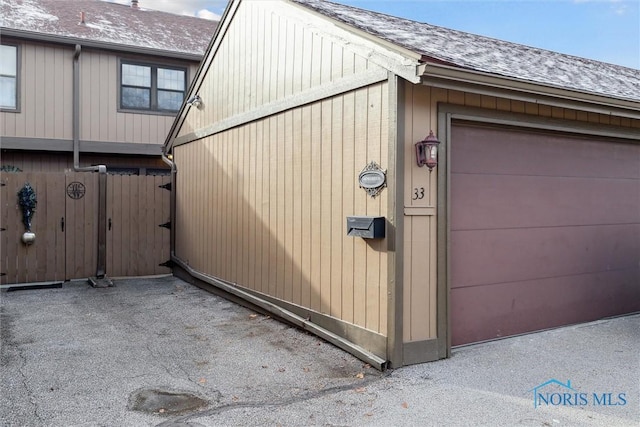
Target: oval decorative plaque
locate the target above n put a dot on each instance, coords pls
(373, 179)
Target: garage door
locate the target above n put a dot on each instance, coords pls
(545, 230)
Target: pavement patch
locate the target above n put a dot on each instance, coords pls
(165, 402)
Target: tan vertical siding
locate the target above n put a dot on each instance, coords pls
(266, 57)
(286, 235)
(29, 161)
(272, 197)
(45, 102)
(100, 118)
(46, 92)
(420, 222)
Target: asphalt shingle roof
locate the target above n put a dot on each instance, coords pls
(488, 55)
(109, 23)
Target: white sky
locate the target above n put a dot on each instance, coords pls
(200, 8)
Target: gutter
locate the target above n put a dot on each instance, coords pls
(451, 77)
(52, 38)
(101, 169)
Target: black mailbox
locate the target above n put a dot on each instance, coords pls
(367, 227)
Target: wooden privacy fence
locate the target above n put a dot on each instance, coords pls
(66, 227)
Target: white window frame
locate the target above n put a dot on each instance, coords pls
(16, 76)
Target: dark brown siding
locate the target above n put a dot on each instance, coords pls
(44, 161)
(545, 231)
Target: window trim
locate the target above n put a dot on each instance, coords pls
(153, 110)
(17, 108)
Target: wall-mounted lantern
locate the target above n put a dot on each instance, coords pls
(427, 151)
(196, 101)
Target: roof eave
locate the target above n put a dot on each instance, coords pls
(398, 59)
(53, 38)
(449, 76)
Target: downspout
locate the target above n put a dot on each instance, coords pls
(101, 169)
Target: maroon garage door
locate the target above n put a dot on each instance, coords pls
(545, 230)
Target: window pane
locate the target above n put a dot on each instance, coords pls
(136, 75)
(169, 100)
(7, 92)
(8, 58)
(170, 79)
(136, 98)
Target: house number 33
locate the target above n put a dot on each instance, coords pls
(418, 193)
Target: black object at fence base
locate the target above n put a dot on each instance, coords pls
(32, 287)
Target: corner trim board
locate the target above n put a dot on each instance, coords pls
(395, 266)
(421, 351)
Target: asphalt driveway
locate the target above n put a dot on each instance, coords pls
(162, 352)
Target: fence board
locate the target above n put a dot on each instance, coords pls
(126, 223)
(163, 207)
(14, 228)
(25, 255)
(55, 246)
(4, 234)
(111, 260)
(149, 252)
(134, 215)
(45, 234)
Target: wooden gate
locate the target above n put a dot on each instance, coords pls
(66, 227)
(137, 206)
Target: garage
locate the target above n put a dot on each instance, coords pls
(544, 229)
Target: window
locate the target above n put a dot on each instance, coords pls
(137, 171)
(151, 87)
(9, 77)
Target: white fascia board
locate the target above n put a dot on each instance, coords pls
(201, 73)
(464, 79)
(389, 56)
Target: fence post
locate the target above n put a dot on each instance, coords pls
(102, 223)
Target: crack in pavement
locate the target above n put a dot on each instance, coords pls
(8, 338)
(25, 383)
